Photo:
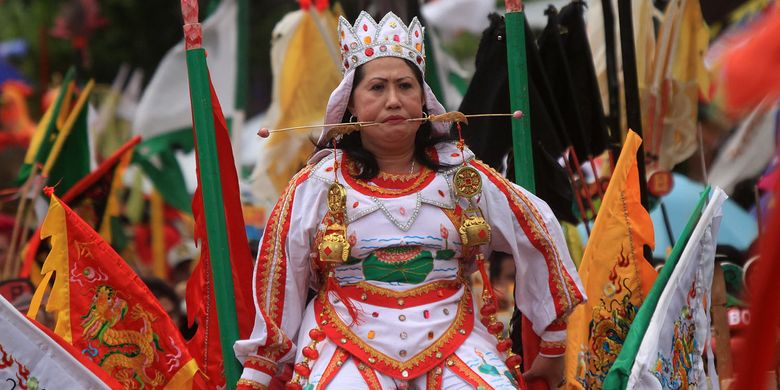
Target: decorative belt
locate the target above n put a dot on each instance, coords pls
(430, 357)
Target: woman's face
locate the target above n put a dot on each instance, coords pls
(388, 93)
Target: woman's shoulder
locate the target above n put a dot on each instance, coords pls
(314, 177)
(449, 154)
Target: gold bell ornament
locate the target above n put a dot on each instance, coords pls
(475, 230)
(334, 247)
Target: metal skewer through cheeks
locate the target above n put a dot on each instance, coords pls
(337, 129)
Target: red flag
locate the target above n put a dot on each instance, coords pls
(748, 68)
(94, 197)
(207, 351)
(104, 309)
(765, 310)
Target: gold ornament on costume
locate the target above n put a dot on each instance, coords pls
(337, 198)
(467, 182)
(474, 231)
(334, 247)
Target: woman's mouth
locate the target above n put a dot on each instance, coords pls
(395, 119)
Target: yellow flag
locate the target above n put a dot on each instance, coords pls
(670, 107)
(614, 273)
(308, 75)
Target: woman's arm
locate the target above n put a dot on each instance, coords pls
(281, 280)
(547, 284)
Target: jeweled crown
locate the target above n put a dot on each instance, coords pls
(367, 40)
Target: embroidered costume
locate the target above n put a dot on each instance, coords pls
(398, 311)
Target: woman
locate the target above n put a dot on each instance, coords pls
(374, 226)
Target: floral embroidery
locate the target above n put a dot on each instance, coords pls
(674, 371)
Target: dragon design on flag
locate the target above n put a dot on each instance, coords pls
(129, 353)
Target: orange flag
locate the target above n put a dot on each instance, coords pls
(615, 275)
(104, 309)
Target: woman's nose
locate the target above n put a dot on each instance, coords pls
(393, 100)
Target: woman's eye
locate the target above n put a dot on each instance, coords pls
(376, 87)
(406, 85)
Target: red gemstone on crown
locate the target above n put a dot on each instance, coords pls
(369, 51)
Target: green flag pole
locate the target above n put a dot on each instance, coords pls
(518, 94)
(203, 121)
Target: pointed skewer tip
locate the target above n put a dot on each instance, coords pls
(264, 133)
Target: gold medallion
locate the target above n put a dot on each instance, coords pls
(337, 198)
(467, 182)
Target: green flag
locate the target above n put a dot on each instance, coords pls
(67, 165)
(47, 131)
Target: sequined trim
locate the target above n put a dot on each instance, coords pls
(434, 378)
(271, 271)
(349, 169)
(552, 348)
(250, 384)
(412, 292)
(397, 177)
(369, 376)
(557, 325)
(273, 253)
(562, 287)
(260, 364)
(333, 367)
(430, 292)
(425, 360)
(461, 369)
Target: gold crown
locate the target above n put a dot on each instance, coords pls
(367, 40)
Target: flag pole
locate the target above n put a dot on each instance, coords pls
(518, 94)
(517, 67)
(631, 88)
(613, 89)
(203, 121)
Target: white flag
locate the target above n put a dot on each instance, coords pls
(670, 355)
(748, 150)
(165, 104)
(30, 359)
